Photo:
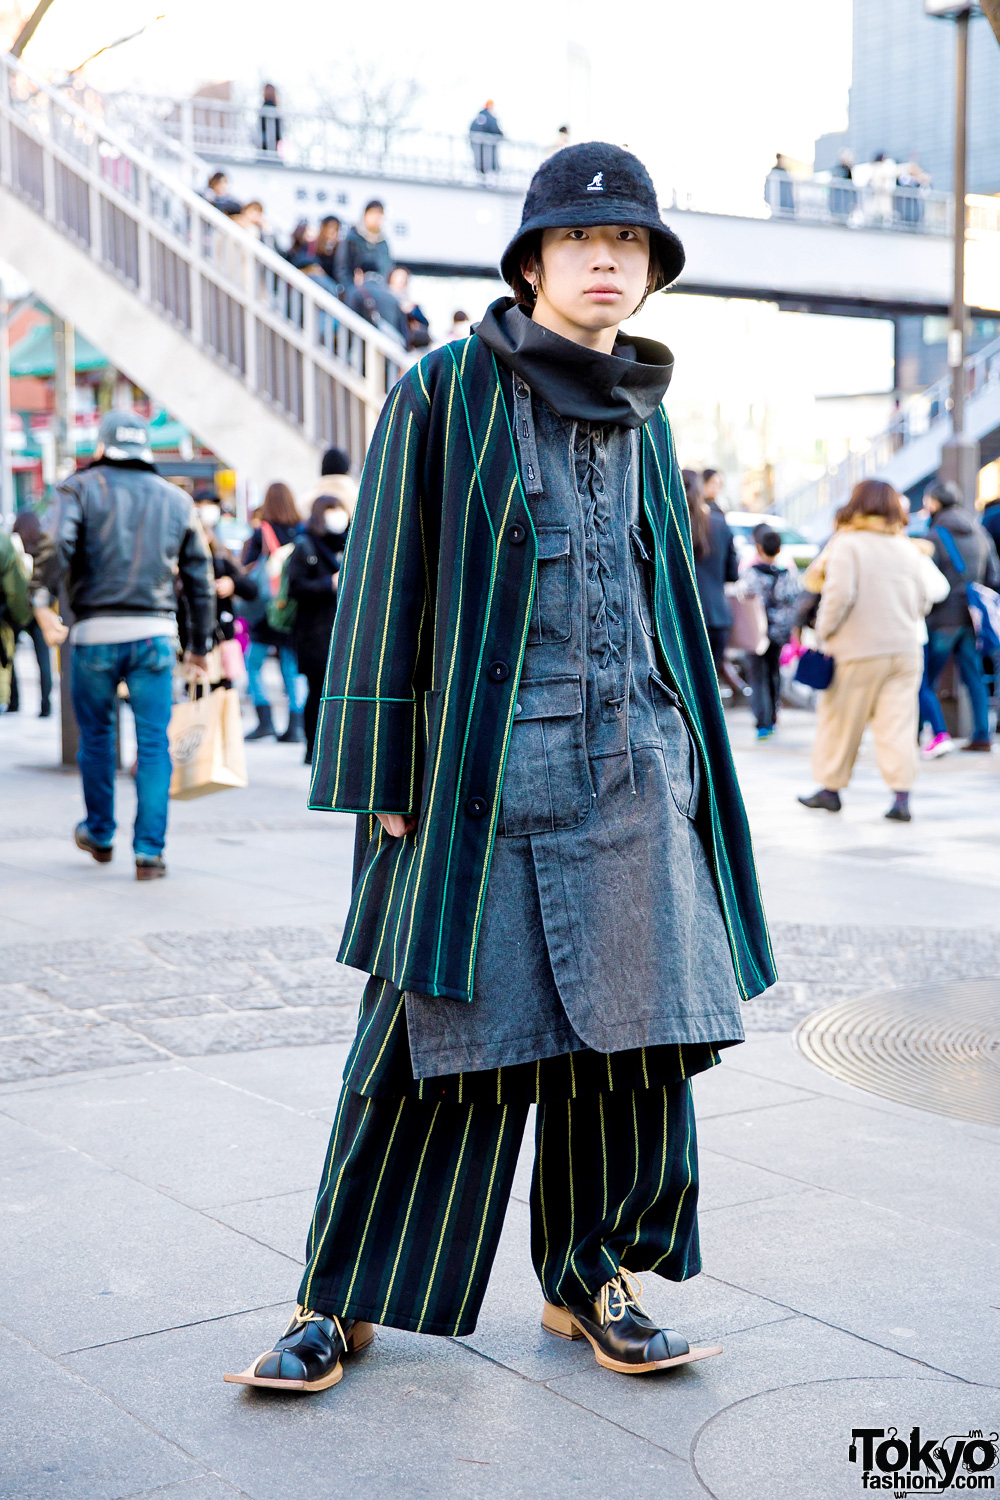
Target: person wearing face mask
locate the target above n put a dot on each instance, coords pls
(231, 583)
(313, 572)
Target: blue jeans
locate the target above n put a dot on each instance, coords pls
(295, 683)
(930, 708)
(960, 641)
(147, 668)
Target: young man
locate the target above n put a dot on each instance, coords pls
(778, 590)
(122, 536)
(554, 892)
(366, 241)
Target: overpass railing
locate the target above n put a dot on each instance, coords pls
(219, 130)
(291, 342)
(915, 418)
(807, 200)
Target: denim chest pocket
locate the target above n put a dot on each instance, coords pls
(680, 755)
(546, 783)
(643, 573)
(551, 617)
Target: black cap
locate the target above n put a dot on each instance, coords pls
(594, 183)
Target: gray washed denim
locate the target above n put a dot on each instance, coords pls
(601, 923)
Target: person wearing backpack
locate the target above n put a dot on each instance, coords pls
(312, 574)
(965, 554)
(264, 555)
(778, 591)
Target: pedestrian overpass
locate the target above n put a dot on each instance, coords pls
(263, 365)
(98, 211)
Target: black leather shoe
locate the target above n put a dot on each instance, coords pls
(828, 801)
(621, 1332)
(103, 853)
(308, 1354)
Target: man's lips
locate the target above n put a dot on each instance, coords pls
(603, 291)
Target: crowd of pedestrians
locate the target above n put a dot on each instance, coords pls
(882, 611)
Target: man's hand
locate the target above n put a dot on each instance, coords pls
(197, 666)
(54, 632)
(225, 587)
(397, 824)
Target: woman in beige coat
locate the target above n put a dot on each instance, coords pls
(878, 586)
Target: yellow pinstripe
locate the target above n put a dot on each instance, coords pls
(485, 1216)
(399, 1006)
(447, 1214)
(568, 1257)
(361, 591)
(333, 1201)
(374, 1199)
(663, 1173)
(332, 1155)
(357, 900)
(409, 1210)
(403, 480)
(683, 1192)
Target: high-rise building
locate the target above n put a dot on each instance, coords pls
(903, 92)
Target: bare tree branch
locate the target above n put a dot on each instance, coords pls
(29, 28)
(375, 109)
(991, 9)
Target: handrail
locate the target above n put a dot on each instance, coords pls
(288, 339)
(917, 417)
(220, 128)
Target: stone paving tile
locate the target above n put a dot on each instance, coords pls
(61, 1437)
(90, 1256)
(281, 1222)
(158, 1010)
(21, 1000)
(196, 1036)
(89, 1046)
(781, 1443)
(921, 1290)
(243, 943)
(183, 1133)
(669, 1408)
(420, 1418)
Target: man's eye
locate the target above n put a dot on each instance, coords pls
(577, 234)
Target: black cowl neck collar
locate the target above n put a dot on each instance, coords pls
(623, 388)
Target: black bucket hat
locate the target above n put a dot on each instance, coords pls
(594, 183)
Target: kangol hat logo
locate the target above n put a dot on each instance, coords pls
(596, 183)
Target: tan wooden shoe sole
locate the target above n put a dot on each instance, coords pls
(360, 1336)
(560, 1321)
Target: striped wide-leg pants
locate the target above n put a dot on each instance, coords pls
(414, 1192)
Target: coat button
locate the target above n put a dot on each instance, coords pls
(517, 709)
(498, 671)
(516, 534)
(522, 389)
(477, 807)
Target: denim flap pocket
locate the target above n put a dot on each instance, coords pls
(551, 615)
(680, 757)
(549, 698)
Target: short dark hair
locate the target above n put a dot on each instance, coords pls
(769, 542)
(531, 260)
(707, 474)
(875, 497)
(374, 203)
(217, 177)
(329, 219)
(945, 491)
(335, 461)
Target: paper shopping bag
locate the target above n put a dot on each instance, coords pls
(206, 745)
(749, 627)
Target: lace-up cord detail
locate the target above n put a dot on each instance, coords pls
(304, 1315)
(624, 1290)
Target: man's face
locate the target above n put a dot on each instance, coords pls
(594, 278)
(373, 220)
(712, 487)
(221, 186)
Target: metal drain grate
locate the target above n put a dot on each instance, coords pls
(933, 1046)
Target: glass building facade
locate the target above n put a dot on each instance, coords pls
(903, 91)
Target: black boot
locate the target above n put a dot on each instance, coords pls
(829, 801)
(621, 1332)
(294, 734)
(899, 812)
(308, 1354)
(265, 724)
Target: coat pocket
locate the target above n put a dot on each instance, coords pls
(680, 755)
(546, 784)
(550, 617)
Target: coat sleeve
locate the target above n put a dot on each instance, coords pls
(14, 585)
(368, 740)
(197, 578)
(840, 592)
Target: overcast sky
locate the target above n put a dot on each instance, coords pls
(706, 91)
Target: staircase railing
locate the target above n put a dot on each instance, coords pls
(915, 419)
(292, 343)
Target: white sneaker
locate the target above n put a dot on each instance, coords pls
(940, 745)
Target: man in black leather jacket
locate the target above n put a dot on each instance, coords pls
(121, 534)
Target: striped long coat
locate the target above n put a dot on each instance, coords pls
(434, 604)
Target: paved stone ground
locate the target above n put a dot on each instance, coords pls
(170, 1059)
